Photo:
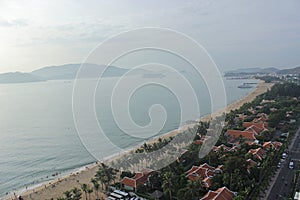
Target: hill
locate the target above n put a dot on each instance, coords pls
(251, 71)
(295, 70)
(69, 71)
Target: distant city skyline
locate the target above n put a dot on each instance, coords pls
(237, 34)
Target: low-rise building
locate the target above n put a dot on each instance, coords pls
(140, 178)
(205, 172)
(221, 194)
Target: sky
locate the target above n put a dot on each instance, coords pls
(237, 34)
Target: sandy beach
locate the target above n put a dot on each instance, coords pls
(55, 188)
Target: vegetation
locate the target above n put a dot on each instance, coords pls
(237, 174)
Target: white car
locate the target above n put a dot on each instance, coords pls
(291, 165)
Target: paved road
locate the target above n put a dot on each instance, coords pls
(283, 185)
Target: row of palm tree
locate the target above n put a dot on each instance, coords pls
(74, 194)
(104, 176)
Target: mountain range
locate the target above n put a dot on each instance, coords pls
(261, 71)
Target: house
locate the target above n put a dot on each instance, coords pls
(140, 178)
(276, 145)
(256, 127)
(235, 136)
(258, 153)
(202, 140)
(240, 117)
(204, 171)
(267, 101)
(224, 148)
(262, 118)
(221, 194)
(251, 163)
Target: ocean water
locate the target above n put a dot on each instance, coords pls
(38, 136)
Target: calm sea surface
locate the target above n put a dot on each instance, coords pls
(38, 136)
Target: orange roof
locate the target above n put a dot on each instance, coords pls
(207, 182)
(258, 127)
(138, 175)
(205, 165)
(221, 194)
(209, 196)
(204, 171)
(276, 145)
(194, 168)
(251, 162)
(197, 142)
(139, 178)
(259, 153)
(129, 182)
(267, 145)
(218, 148)
(248, 135)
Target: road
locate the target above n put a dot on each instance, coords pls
(283, 184)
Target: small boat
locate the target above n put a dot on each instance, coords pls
(245, 85)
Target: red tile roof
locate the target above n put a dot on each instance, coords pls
(234, 135)
(221, 194)
(251, 163)
(275, 144)
(258, 153)
(129, 182)
(203, 171)
(198, 142)
(139, 178)
(257, 127)
(218, 148)
(207, 182)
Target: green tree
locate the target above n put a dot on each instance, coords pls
(168, 183)
(76, 194)
(106, 175)
(90, 191)
(84, 188)
(96, 187)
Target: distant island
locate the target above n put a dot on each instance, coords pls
(66, 72)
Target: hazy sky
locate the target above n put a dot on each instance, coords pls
(236, 33)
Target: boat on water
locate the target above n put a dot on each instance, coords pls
(245, 85)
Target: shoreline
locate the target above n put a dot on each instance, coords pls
(55, 188)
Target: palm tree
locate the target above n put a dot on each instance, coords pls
(76, 194)
(100, 176)
(85, 188)
(168, 183)
(68, 195)
(194, 188)
(96, 186)
(105, 174)
(89, 191)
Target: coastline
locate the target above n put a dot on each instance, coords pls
(55, 188)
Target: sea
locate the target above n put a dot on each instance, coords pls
(39, 139)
